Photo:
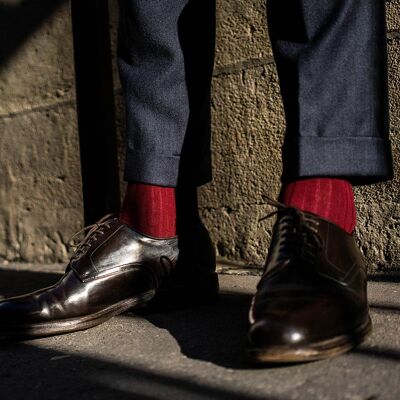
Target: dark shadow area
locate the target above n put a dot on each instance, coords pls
(95, 106)
(196, 30)
(379, 352)
(19, 20)
(49, 374)
(215, 333)
(13, 282)
(385, 277)
(385, 308)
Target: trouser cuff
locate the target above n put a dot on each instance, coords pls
(360, 160)
(165, 170)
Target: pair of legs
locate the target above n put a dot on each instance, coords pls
(311, 301)
(331, 60)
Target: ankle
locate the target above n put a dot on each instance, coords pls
(150, 209)
(329, 198)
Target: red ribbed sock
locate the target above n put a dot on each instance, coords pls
(332, 199)
(150, 209)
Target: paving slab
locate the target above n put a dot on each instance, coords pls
(192, 354)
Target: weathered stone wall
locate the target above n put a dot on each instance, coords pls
(40, 199)
(40, 186)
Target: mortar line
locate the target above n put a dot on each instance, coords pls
(45, 107)
(218, 71)
(37, 108)
(243, 65)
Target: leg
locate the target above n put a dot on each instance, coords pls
(165, 60)
(115, 267)
(166, 54)
(331, 60)
(311, 302)
(332, 67)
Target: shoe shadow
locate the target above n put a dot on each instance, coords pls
(215, 333)
(392, 276)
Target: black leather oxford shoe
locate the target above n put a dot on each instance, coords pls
(113, 269)
(311, 302)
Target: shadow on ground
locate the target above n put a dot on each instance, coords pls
(392, 276)
(28, 371)
(215, 334)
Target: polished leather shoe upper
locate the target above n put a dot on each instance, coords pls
(114, 247)
(113, 268)
(313, 290)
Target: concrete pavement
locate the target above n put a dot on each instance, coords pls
(192, 354)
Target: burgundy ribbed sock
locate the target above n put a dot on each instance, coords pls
(150, 209)
(332, 199)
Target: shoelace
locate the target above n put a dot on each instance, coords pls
(93, 230)
(298, 233)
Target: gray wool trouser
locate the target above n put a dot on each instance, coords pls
(332, 65)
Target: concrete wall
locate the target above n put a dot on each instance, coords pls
(40, 198)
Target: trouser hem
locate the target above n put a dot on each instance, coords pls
(165, 170)
(360, 160)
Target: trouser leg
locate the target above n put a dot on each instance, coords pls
(331, 60)
(165, 59)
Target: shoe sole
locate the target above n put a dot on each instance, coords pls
(314, 351)
(75, 324)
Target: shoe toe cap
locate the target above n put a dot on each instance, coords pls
(269, 332)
